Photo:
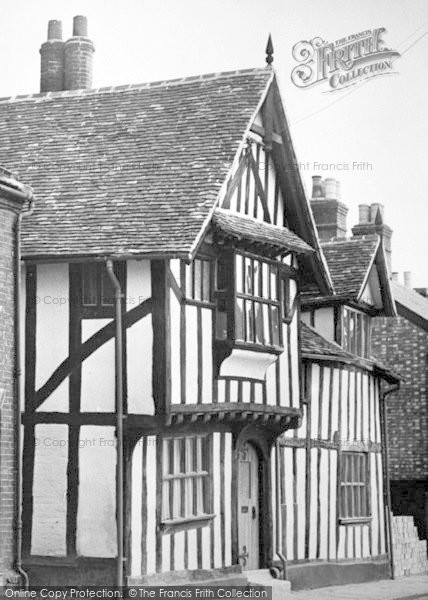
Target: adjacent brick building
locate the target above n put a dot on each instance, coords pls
(13, 196)
(403, 342)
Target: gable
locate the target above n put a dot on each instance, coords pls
(372, 293)
(265, 184)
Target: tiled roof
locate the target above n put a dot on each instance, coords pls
(127, 170)
(241, 227)
(348, 262)
(410, 300)
(313, 344)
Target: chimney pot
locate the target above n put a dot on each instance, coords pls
(395, 277)
(80, 26)
(363, 213)
(54, 30)
(317, 187)
(52, 60)
(330, 189)
(408, 279)
(78, 51)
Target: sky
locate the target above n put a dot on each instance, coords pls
(382, 124)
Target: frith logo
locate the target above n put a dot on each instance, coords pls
(344, 62)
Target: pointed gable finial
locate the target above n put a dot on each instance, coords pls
(379, 218)
(269, 51)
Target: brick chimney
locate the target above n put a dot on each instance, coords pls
(328, 210)
(370, 223)
(78, 51)
(52, 60)
(66, 65)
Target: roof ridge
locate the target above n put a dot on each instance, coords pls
(136, 86)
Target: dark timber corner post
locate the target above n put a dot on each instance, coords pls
(161, 370)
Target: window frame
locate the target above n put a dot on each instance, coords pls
(188, 275)
(181, 487)
(356, 320)
(348, 515)
(228, 293)
(99, 310)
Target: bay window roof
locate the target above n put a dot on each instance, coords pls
(244, 228)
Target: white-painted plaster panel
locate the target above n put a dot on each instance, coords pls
(50, 490)
(98, 372)
(52, 330)
(96, 511)
(324, 322)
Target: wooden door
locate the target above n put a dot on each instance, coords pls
(248, 507)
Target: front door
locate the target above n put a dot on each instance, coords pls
(248, 507)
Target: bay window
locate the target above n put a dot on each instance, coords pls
(253, 296)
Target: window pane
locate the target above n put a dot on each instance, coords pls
(89, 284)
(257, 273)
(248, 276)
(239, 319)
(206, 281)
(266, 323)
(189, 281)
(260, 338)
(275, 325)
(249, 321)
(265, 280)
(197, 289)
(273, 278)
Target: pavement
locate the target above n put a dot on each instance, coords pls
(404, 588)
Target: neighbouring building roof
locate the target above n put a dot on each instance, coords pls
(349, 262)
(131, 169)
(410, 304)
(242, 227)
(315, 346)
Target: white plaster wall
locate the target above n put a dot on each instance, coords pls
(96, 513)
(139, 343)
(98, 372)
(52, 330)
(50, 490)
(324, 322)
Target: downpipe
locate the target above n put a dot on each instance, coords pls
(274, 571)
(386, 484)
(18, 388)
(119, 420)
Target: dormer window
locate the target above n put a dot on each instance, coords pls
(356, 332)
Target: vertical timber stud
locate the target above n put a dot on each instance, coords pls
(161, 369)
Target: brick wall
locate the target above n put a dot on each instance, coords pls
(404, 347)
(7, 424)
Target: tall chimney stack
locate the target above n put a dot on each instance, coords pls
(52, 60)
(371, 223)
(78, 51)
(329, 212)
